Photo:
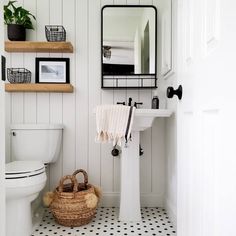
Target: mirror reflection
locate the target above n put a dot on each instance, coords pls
(129, 40)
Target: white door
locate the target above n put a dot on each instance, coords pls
(206, 126)
(2, 133)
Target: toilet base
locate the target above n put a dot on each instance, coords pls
(18, 217)
(18, 204)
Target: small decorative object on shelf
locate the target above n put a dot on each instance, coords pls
(55, 33)
(18, 75)
(52, 70)
(17, 20)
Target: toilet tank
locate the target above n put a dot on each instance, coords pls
(41, 142)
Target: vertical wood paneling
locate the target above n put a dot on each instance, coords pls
(43, 99)
(76, 111)
(158, 159)
(119, 96)
(94, 67)
(82, 85)
(8, 109)
(56, 99)
(69, 112)
(56, 117)
(107, 160)
(43, 16)
(158, 140)
(30, 99)
(145, 137)
(134, 94)
(43, 108)
(30, 108)
(17, 106)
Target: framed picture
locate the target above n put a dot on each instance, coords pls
(52, 70)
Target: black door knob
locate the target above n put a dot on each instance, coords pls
(178, 92)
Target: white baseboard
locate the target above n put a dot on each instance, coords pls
(147, 200)
(172, 212)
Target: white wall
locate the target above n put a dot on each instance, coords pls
(119, 27)
(149, 16)
(82, 22)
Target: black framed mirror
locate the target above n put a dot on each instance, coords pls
(129, 46)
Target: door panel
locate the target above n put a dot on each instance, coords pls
(206, 120)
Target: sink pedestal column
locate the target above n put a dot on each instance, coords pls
(130, 181)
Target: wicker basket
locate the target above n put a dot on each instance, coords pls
(74, 204)
(55, 33)
(18, 75)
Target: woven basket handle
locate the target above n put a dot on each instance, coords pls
(84, 174)
(73, 181)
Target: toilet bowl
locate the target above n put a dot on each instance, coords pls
(25, 177)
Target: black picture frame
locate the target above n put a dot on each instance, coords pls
(52, 62)
(140, 77)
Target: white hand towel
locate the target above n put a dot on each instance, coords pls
(114, 123)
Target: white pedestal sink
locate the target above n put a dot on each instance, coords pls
(130, 209)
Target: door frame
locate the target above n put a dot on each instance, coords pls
(2, 134)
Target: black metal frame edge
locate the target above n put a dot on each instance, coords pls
(129, 6)
(133, 75)
(138, 88)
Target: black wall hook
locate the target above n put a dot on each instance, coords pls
(115, 152)
(178, 92)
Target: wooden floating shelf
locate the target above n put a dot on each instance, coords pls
(30, 46)
(54, 88)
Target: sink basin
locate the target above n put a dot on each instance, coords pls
(144, 118)
(130, 207)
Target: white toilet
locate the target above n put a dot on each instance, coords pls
(32, 146)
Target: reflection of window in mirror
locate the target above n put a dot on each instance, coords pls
(146, 49)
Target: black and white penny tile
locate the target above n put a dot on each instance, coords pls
(155, 222)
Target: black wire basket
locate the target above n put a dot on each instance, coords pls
(55, 33)
(18, 75)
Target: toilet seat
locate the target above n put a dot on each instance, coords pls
(23, 169)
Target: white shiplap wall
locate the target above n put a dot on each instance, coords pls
(81, 18)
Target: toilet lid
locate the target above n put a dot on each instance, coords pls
(23, 169)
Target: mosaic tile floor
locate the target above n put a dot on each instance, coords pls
(155, 221)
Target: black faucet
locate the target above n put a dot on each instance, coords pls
(130, 102)
(137, 103)
(120, 103)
